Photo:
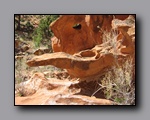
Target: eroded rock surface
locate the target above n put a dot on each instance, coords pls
(70, 38)
(117, 44)
(40, 90)
(86, 46)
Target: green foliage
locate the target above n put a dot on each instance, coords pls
(29, 26)
(42, 31)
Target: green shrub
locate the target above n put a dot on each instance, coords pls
(42, 33)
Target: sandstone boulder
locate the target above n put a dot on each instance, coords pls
(82, 53)
(42, 91)
(87, 62)
(71, 39)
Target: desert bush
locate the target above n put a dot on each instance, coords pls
(109, 39)
(21, 70)
(117, 84)
(42, 33)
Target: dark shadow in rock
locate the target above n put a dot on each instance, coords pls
(89, 88)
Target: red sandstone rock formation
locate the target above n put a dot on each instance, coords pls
(80, 47)
(70, 40)
(86, 46)
(42, 91)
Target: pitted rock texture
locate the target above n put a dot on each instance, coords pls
(84, 47)
(95, 60)
(40, 90)
(72, 40)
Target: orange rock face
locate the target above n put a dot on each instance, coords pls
(69, 37)
(86, 45)
(74, 33)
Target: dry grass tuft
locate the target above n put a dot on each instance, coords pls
(117, 84)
